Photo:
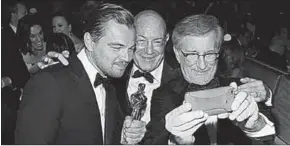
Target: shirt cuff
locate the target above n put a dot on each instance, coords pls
(269, 100)
(269, 129)
(170, 142)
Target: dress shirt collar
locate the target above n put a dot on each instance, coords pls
(13, 27)
(90, 69)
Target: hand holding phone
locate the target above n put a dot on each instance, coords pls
(212, 101)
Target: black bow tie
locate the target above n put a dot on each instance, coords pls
(148, 76)
(101, 80)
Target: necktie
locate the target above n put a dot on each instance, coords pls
(101, 80)
(148, 76)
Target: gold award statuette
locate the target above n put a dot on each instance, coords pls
(138, 102)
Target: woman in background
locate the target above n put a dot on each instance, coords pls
(61, 24)
(31, 41)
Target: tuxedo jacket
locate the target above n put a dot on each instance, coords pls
(59, 107)
(151, 136)
(171, 95)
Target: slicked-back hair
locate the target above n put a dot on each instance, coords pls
(63, 14)
(198, 26)
(102, 14)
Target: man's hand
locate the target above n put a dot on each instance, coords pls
(246, 112)
(48, 59)
(182, 122)
(5, 81)
(256, 89)
(133, 131)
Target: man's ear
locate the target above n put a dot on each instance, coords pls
(177, 54)
(69, 27)
(89, 43)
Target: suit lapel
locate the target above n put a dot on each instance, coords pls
(167, 73)
(85, 91)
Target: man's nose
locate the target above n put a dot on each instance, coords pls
(149, 48)
(126, 55)
(201, 63)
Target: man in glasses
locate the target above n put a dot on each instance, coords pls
(197, 40)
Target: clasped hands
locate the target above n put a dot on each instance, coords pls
(182, 122)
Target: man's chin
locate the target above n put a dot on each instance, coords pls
(199, 80)
(117, 75)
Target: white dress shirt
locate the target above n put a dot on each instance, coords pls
(99, 91)
(149, 87)
(13, 27)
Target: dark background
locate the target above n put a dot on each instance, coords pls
(266, 14)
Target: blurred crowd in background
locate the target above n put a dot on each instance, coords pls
(254, 29)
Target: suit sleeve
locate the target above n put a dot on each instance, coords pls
(163, 103)
(39, 112)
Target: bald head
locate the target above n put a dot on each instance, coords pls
(151, 40)
(150, 18)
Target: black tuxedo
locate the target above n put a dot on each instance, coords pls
(59, 107)
(13, 67)
(8, 33)
(151, 136)
(170, 96)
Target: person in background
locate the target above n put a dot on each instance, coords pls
(31, 40)
(245, 40)
(61, 24)
(280, 43)
(60, 43)
(32, 45)
(230, 64)
(14, 75)
(16, 11)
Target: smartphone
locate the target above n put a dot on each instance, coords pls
(212, 101)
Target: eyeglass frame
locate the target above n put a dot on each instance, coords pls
(198, 55)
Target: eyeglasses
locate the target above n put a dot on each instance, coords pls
(208, 57)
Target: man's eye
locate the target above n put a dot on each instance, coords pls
(157, 42)
(140, 42)
(116, 48)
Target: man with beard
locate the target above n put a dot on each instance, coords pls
(150, 68)
(76, 104)
(197, 40)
